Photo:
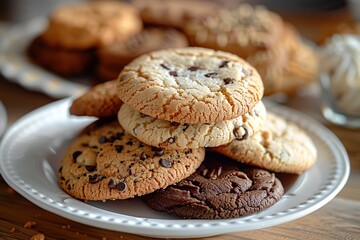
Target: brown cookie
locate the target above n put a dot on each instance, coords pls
(65, 62)
(219, 189)
(280, 147)
(240, 30)
(100, 101)
(190, 85)
(173, 13)
(105, 163)
(114, 57)
(91, 24)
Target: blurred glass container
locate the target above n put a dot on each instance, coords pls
(340, 80)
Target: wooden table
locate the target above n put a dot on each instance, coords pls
(339, 219)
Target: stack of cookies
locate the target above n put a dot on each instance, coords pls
(260, 36)
(67, 46)
(186, 130)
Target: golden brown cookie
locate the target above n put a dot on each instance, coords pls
(280, 147)
(65, 62)
(171, 135)
(173, 13)
(190, 85)
(241, 30)
(114, 57)
(92, 24)
(105, 163)
(100, 101)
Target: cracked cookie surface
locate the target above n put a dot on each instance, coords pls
(190, 85)
(171, 135)
(280, 147)
(105, 163)
(100, 101)
(219, 189)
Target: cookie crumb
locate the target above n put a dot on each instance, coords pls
(12, 230)
(38, 236)
(29, 224)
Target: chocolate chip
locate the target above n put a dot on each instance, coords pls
(185, 126)
(121, 186)
(171, 140)
(119, 135)
(173, 73)
(90, 168)
(228, 80)
(111, 139)
(129, 143)
(240, 137)
(143, 115)
(165, 163)
(212, 74)
(95, 178)
(112, 184)
(102, 139)
(175, 124)
(76, 154)
(223, 64)
(143, 156)
(193, 68)
(157, 151)
(119, 148)
(164, 65)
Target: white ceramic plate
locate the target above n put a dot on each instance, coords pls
(16, 67)
(31, 150)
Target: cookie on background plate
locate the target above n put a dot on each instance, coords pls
(105, 163)
(173, 13)
(99, 101)
(280, 147)
(114, 57)
(241, 30)
(190, 85)
(172, 135)
(91, 24)
(219, 189)
(65, 62)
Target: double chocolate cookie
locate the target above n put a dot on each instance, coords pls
(220, 188)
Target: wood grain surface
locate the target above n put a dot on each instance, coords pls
(339, 219)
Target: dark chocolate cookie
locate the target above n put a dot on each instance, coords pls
(219, 189)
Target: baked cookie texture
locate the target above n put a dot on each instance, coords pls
(65, 62)
(262, 38)
(114, 57)
(218, 189)
(240, 30)
(190, 85)
(280, 147)
(172, 135)
(106, 163)
(100, 101)
(91, 24)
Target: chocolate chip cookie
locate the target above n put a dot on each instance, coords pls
(172, 135)
(190, 85)
(106, 163)
(219, 189)
(280, 147)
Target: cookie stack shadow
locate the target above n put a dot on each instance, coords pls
(186, 130)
